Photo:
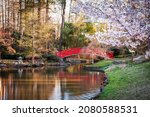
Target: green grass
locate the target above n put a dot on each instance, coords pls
(102, 63)
(131, 82)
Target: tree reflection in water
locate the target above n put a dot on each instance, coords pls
(47, 83)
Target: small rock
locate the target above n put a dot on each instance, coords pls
(3, 65)
(147, 54)
(139, 59)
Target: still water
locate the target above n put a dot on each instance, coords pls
(47, 83)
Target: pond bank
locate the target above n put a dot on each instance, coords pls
(127, 80)
(9, 64)
(131, 82)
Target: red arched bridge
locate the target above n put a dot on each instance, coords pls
(85, 51)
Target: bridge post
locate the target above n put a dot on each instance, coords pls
(92, 58)
(78, 57)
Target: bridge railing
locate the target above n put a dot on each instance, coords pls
(85, 51)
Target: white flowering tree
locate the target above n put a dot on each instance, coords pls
(127, 19)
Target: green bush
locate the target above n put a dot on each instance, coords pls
(120, 52)
(116, 51)
(51, 58)
(11, 56)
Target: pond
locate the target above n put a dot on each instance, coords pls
(48, 83)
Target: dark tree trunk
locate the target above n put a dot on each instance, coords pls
(63, 5)
(5, 13)
(33, 37)
(39, 11)
(20, 16)
(149, 42)
(47, 7)
(25, 14)
(3, 23)
(8, 12)
(3, 17)
(13, 14)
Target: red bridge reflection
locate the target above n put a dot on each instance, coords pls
(79, 76)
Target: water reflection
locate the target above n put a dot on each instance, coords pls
(47, 83)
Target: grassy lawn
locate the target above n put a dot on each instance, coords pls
(102, 63)
(131, 82)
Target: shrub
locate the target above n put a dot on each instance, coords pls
(51, 58)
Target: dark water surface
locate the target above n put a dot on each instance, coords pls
(52, 83)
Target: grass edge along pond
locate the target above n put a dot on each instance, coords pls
(102, 63)
(131, 82)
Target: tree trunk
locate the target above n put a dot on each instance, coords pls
(39, 11)
(149, 42)
(13, 14)
(0, 55)
(25, 15)
(20, 16)
(33, 38)
(5, 13)
(18, 21)
(8, 12)
(3, 22)
(47, 7)
(63, 5)
(33, 30)
(69, 18)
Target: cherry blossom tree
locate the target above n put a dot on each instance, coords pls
(127, 19)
